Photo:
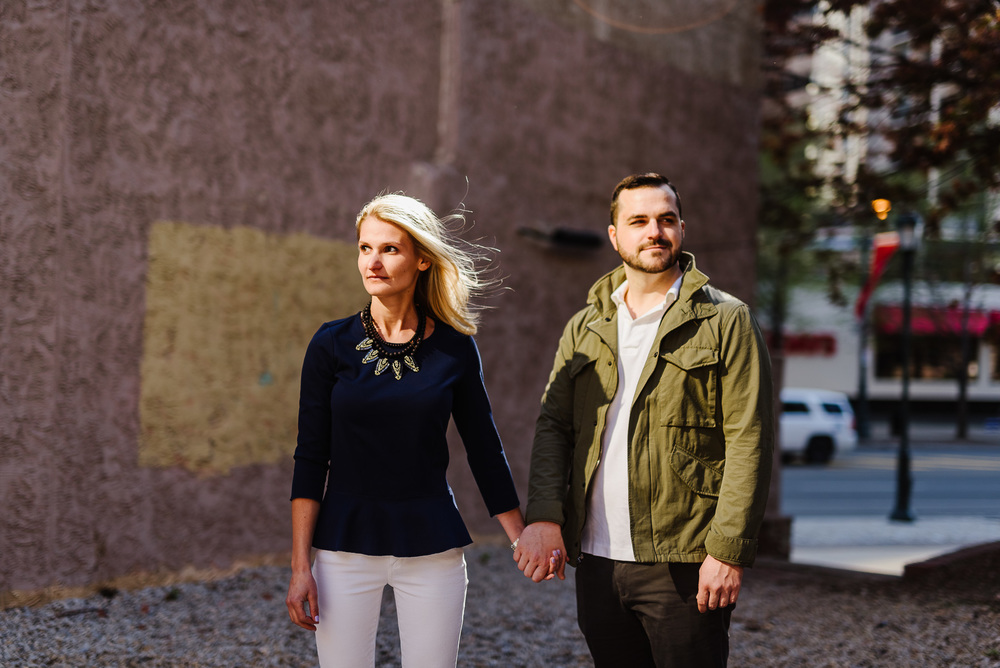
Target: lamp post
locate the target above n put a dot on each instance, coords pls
(862, 414)
(881, 207)
(904, 481)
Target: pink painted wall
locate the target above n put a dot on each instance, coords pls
(285, 118)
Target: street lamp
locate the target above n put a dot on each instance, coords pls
(881, 207)
(904, 481)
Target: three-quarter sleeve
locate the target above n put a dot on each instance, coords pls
(473, 417)
(312, 452)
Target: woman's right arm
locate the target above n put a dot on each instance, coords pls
(312, 462)
(302, 588)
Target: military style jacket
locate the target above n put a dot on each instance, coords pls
(701, 428)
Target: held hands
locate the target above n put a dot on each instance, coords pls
(302, 591)
(718, 584)
(540, 553)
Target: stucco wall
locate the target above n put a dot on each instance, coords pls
(178, 184)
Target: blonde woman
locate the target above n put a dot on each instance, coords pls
(378, 389)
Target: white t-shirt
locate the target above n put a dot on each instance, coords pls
(607, 531)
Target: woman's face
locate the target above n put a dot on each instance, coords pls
(388, 259)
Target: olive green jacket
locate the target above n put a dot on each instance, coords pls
(701, 429)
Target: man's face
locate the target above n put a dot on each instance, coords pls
(649, 233)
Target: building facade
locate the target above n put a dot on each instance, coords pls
(823, 346)
(178, 191)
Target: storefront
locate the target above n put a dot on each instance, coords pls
(937, 343)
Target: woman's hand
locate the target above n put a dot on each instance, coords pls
(540, 552)
(302, 592)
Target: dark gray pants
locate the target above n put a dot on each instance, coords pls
(641, 615)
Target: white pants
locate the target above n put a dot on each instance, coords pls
(430, 605)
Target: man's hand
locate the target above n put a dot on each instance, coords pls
(718, 584)
(540, 552)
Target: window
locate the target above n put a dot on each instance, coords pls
(936, 357)
(794, 407)
(833, 409)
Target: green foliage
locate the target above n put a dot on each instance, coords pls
(932, 92)
(789, 188)
(934, 83)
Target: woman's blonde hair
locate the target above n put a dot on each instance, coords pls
(445, 289)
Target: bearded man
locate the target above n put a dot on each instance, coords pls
(652, 452)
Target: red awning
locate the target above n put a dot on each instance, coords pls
(934, 320)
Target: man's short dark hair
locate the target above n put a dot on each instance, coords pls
(649, 179)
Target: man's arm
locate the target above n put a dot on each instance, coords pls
(748, 426)
(551, 454)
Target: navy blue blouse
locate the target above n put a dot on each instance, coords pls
(377, 445)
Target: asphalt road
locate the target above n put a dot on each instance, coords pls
(948, 480)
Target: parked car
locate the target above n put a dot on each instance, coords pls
(816, 425)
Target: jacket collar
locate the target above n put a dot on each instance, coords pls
(600, 293)
(691, 303)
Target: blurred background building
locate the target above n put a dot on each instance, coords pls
(881, 102)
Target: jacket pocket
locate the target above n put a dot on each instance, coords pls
(687, 391)
(694, 460)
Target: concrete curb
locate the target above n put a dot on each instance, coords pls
(983, 556)
(945, 568)
(828, 572)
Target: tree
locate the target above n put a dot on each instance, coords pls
(931, 94)
(935, 84)
(941, 89)
(790, 189)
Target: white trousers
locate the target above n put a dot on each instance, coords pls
(430, 606)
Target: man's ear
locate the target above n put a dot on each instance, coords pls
(613, 236)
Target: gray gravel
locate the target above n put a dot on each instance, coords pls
(788, 616)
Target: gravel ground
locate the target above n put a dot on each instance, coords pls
(788, 616)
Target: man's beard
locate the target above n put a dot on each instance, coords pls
(665, 262)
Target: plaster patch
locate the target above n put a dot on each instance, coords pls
(229, 313)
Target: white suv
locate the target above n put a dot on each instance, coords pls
(815, 424)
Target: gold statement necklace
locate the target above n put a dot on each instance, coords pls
(388, 355)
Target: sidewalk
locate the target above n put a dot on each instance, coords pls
(878, 545)
(980, 432)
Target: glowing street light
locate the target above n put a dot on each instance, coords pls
(881, 207)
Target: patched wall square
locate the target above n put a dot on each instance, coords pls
(229, 313)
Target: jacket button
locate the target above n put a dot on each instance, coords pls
(607, 320)
(609, 362)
